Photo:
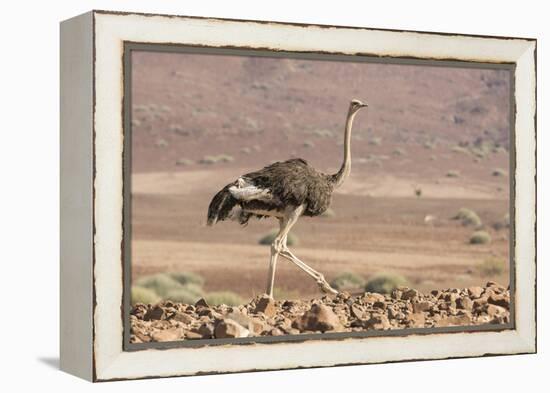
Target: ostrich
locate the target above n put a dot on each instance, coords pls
(286, 191)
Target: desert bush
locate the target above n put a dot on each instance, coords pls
(143, 295)
(460, 149)
(184, 162)
(186, 278)
(492, 266)
(499, 172)
(224, 297)
(308, 144)
(480, 237)
(385, 283)
(429, 145)
(160, 283)
(329, 213)
(376, 141)
(503, 223)
(224, 158)
(187, 294)
(285, 294)
(468, 217)
(347, 281)
(453, 173)
(323, 133)
(161, 143)
(267, 239)
(399, 152)
(246, 150)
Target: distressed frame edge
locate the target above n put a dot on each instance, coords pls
(527, 340)
(76, 196)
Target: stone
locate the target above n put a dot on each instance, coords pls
(228, 328)
(266, 305)
(254, 325)
(475, 292)
(409, 294)
(493, 310)
(191, 335)
(454, 320)
(421, 306)
(357, 311)
(464, 303)
(499, 300)
(276, 332)
(379, 304)
(379, 322)
(318, 317)
(416, 319)
(155, 313)
(183, 317)
(167, 335)
(206, 330)
(201, 303)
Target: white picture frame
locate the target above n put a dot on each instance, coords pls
(92, 194)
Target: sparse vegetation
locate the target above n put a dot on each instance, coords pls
(499, 172)
(223, 297)
(292, 240)
(385, 283)
(468, 217)
(160, 283)
(143, 295)
(188, 294)
(161, 143)
(502, 223)
(186, 278)
(399, 152)
(347, 281)
(184, 162)
(460, 149)
(480, 237)
(376, 141)
(492, 267)
(308, 144)
(453, 174)
(285, 293)
(209, 160)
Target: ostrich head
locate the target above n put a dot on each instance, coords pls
(355, 105)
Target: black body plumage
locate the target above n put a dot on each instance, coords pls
(290, 183)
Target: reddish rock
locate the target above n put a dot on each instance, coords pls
(266, 305)
(228, 328)
(319, 317)
(155, 313)
(167, 335)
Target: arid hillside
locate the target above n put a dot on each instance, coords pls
(433, 141)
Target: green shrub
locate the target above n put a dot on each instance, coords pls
(187, 294)
(499, 172)
(160, 283)
(224, 297)
(503, 223)
(385, 283)
(453, 173)
(399, 152)
(480, 237)
(376, 141)
(184, 162)
(292, 240)
(186, 278)
(460, 149)
(143, 295)
(285, 294)
(492, 266)
(468, 217)
(347, 281)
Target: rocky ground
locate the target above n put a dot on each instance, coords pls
(403, 308)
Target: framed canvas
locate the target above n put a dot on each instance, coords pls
(246, 195)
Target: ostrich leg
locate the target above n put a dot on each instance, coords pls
(275, 250)
(285, 252)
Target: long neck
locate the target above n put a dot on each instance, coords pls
(345, 169)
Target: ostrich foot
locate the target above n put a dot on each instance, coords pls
(326, 288)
